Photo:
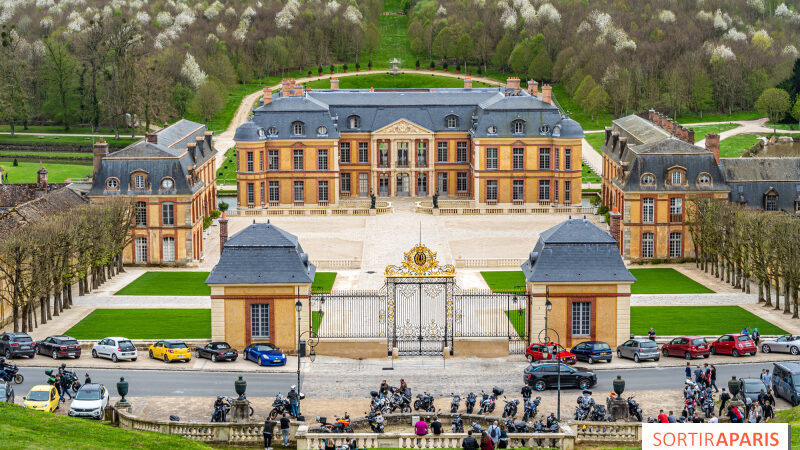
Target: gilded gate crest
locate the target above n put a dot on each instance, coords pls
(420, 261)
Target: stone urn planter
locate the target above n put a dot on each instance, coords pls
(241, 386)
(619, 386)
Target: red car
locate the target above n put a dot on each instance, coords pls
(733, 344)
(542, 352)
(687, 346)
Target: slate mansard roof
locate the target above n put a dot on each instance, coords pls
(476, 109)
(262, 253)
(168, 157)
(576, 251)
(751, 179)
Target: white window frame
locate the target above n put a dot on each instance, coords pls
(322, 159)
(462, 148)
(518, 127)
(168, 213)
(461, 182)
(581, 320)
(141, 213)
(322, 191)
(141, 249)
(452, 121)
(648, 210)
(168, 249)
(251, 193)
(675, 245)
(544, 158)
(274, 187)
(298, 128)
(354, 122)
(491, 190)
(299, 188)
(363, 152)
(259, 321)
(518, 158)
(648, 245)
(344, 152)
(345, 182)
(273, 156)
(298, 159)
(491, 158)
(544, 191)
(442, 150)
(518, 190)
(139, 181)
(676, 178)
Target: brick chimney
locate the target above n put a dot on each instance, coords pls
(651, 115)
(690, 136)
(190, 147)
(513, 83)
(533, 88)
(615, 228)
(151, 137)
(334, 83)
(41, 177)
(200, 145)
(712, 145)
(547, 93)
(100, 150)
(223, 232)
(267, 96)
(608, 134)
(208, 135)
(286, 85)
(468, 83)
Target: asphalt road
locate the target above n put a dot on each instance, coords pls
(145, 383)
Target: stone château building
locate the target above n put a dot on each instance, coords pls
(171, 178)
(771, 184)
(492, 145)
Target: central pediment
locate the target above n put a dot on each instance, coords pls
(403, 127)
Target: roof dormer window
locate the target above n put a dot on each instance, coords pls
(452, 121)
(272, 131)
(260, 132)
(676, 178)
(354, 122)
(322, 131)
(518, 126)
(557, 130)
(544, 129)
(112, 184)
(492, 129)
(139, 181)
(704, 179)
(298, 128)
(648, 179)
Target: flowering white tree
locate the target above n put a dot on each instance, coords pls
(666, 16)
(192, 72)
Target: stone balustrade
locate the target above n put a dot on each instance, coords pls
(462, 207)
(488, 262)
(607, 432)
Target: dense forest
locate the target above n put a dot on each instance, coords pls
(139, 62)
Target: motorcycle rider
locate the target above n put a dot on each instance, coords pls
(551, 420)
(294, 401)
(384, 389)
(219, 413)
(404, 388)
(3, 373)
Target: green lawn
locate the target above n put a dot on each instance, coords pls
(25, 172)
(790, 416)
(394, 40)
(220, 121)
(700, 320)
(66, 140)
(316, 319)
(718, 117)
(385, 80)
(168, 283)
(227, 173)
(649, 281)
(518, 320)
(323, 281)
(588, 175)
(734, 146)
(700, 131)
(665, 281)
(576, 112)
(45, 155)
(56, 129)
(596, 140)
(144, 324)
(22, 428)
(783, 126)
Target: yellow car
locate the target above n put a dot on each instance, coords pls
(42, 397)
(169, 351)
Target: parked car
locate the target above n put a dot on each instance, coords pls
(751, 387)
(547, 351)
(786, 381)
(591, 351)
(90, 401)
(687, 347)
(42, 397)
(171, 350)
(265, 354)
(788, 343)
(6, 391)
(638, 349)
(734, 344)
(17, 344)
(541, 376)
(59, 347)
(115, 348)
(217, 351)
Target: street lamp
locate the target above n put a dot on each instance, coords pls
(549, 306)
(298, 306)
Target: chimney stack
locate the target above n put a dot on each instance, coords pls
(623, 143)
(651, 115)
(690, 136)
(334, 83)
(608, 134)
(151, 137)
(712, 145)
(468, 83)
(100, 150)
(267, 96)
(614, 139)
(41, 177)
(200, 145)
(190, 147)
(513, 83)
(533, 87)
(208, 135)
(615, 228)
(287, 85)
(547, 93)
(223, 232)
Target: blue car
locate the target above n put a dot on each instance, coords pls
(265, 354)
(592, 351)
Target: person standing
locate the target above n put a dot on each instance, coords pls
(494, 433)
(768, 412)
(713, 378)
(59, 387)
(469, 443)
(756, 336)
(767, 379)
(651, 335)
(503, 442)
(87, 380)
(486, 442)
(269, 428)
(723, 398)
(285, 429)
(294, 400)
(688, 371)
(65, 387)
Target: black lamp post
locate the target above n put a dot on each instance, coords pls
(298, 306)
(547, 308)
(547, 343)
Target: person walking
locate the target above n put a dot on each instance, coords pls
(285, 429)
(723, 398)
(688, 371)
(469, 443)
(269, 428)
(421, 427)
(713, 378)
(756, 336)
(767, 379)
(768, 411)
(503, 442)
(486, 442)
(651, 335)
(494, 433)
(59, 388)
(294, 401)
(65, 387)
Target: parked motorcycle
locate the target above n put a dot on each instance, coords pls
(488, 402)
(70, 377)
(510, 410)
(279, 406)
(598, 413)
(400, 400)
(342, 425)
(11, 373)
(690, 406)
(584, 408)
(458, 424)
(516, 427)
(424, 402)
(634, 409)
(375, 420)
(470, 402)
(477, 428)
(708, 405)
(531, 405)
(379, 403)
(455, 403)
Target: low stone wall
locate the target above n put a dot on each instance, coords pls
(352, 348)
(483, 263)
(480, 347)
(308, 211)
(354, 263)
(605, 433)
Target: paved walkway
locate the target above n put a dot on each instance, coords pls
(593, 158)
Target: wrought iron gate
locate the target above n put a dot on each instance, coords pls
(419, 315)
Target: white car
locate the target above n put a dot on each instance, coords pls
(115, 348)
(90, 401)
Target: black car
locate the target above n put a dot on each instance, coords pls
(217, 351)
(6, 392)
(17, 344)
(543, 375)
(59, 347)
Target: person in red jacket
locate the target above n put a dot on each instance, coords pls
(486, 442)
(662, 418)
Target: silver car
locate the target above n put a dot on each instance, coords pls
(785, 344)
(639, 349)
